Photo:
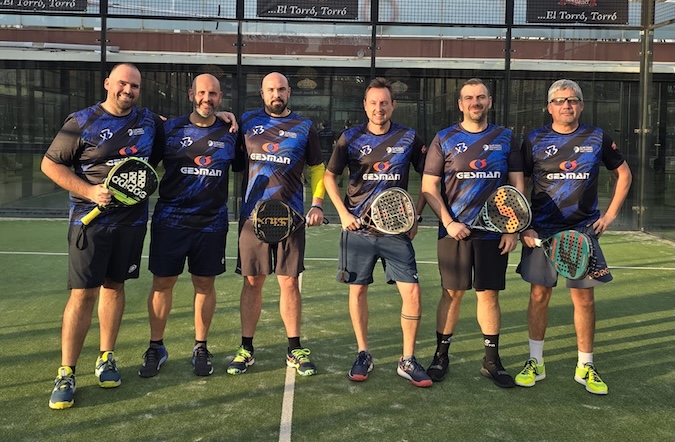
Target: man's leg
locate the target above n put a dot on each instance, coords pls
(204, 306)
(447, 315)
(76, 322)
(290, 307)
(290, 304)
(358, 312)
(160, 300)
(110, 311)
(250, 304)
(537, 320)
(411, 313)
(584, 325)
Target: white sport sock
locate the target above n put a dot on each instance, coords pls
(537, 350)
(584, 358)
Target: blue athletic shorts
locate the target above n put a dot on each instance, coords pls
(359, 253)
(170, 247)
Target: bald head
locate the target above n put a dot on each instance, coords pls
(275, 93)
(124, 87)
(205, 96)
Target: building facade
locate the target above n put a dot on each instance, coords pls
(54, 56)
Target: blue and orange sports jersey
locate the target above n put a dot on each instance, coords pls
(92, 141)
(194, 189)
(565, 169)
(277, 151)
(471, 166)
(375, 162)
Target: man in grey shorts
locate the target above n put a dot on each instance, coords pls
(378, 154)
(563, 161)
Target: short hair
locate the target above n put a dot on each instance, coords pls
(129, 65)
(565, 84)
(474, 82)
(380, 83)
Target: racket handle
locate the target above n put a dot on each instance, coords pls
(537, 242)
(90, 216)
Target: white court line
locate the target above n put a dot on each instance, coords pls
(331, 259)
(286, 424)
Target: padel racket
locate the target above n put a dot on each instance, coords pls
(274, 220)
(569, 251)
(391, 212)
(505, 211)
(130, 181)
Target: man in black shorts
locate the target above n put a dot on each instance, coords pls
(190, 220)
(379, 154)
(468, 161)
(108, 251)
(278, 144)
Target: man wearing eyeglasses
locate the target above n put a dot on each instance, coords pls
(563, 162)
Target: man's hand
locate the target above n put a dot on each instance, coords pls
(229, 117)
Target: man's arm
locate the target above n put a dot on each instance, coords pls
(432, 195)
(624, 178)
(347, 220)
(67, 179)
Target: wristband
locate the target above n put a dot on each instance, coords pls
(446, 226)
(419, 219)
(314, 206)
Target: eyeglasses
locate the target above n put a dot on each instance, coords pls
(560, 101)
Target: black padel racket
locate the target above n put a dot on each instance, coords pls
(130, 181)
(274, 220)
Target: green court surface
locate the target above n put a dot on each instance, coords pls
(634, 352)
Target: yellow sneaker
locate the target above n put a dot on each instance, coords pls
(106, 371)
(64, 390)
(531, 373)
(589, 377)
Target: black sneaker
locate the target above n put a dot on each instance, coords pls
(438, 367)
(362, 366)
(201, 359)
(153, 358)
(411, 370)
(495, 371)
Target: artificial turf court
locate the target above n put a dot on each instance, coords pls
(634, 353)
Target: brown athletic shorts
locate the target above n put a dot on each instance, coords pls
(256, 257)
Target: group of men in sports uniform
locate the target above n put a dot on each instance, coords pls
(467, 161)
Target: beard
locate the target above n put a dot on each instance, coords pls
(478, 115)
(205, 113)
(276, 107)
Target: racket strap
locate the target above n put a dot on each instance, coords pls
(81, 241)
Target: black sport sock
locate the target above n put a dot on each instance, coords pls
(247, 343)
(491, 343)
(157, 344)
(72, 367)
(294, 343)
(443, 343)
(200, 344)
